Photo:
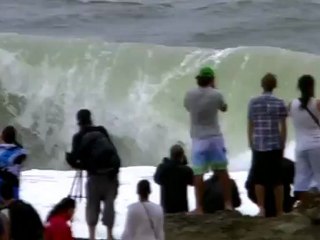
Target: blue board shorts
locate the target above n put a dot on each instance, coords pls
(208, 154)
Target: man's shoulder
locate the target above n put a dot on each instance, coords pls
(192, 92)
(133, 206)
(185, 168)
(156, 207)
(266, 98)
(256, 99)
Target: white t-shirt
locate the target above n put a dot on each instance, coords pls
(203, 105)
(307, 131)
(138, 225)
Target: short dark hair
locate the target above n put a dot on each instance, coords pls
(7, 191)
(204, 81)
(84, 117)
(143, 188)
(269, 82)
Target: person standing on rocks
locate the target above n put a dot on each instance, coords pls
(94, 152)
(305, 114)
(267, 133)
(208, 149)
(287, 171)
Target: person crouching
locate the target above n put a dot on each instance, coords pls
(57, 226)
(174, 177)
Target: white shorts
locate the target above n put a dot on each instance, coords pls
(307, 170)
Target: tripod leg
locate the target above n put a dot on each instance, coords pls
(73, 185)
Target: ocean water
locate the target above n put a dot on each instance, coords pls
(131, 62)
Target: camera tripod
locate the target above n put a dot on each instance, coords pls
(76, 191)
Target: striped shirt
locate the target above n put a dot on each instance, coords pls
(266, 112)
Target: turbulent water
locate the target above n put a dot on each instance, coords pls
(135, 90)
(58, 56)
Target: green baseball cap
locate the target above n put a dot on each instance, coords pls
(207, 72)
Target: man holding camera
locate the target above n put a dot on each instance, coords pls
(94, 152)
(208, 149)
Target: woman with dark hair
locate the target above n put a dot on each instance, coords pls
(57, 227)
(12, 155)
(305, 114)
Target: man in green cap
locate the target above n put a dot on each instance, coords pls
(208, 149)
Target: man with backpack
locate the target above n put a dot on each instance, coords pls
(94, 152)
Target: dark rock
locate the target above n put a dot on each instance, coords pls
(229, 226)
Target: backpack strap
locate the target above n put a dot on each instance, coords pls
(314, 118)
(150, 220)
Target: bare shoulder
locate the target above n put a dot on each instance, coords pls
(318, 104)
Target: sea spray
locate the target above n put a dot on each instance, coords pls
(135, 90)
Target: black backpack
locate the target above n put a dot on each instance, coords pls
(97, 153)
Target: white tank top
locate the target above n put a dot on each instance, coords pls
(306, 130)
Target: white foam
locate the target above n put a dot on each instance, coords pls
(45, 188)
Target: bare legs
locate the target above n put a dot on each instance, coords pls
(260, 194)
(224, 180)
(92, 233)
(278, 194)
(109, 233)
(304, 198)
(199, 191)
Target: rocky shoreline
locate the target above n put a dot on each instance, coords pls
(228, 226)
(298, 225)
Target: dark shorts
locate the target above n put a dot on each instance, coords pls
(100, 189)
(267, 168)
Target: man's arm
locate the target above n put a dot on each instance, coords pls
(250, 133)
(159, 176)
(283, 132)
(76, 140)
(189, 176)
(283, 125)
(250, 126)
(72, 157)
(223, 105)
(318, 105)
(186, 102)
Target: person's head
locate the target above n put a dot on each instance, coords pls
(66, 207)
(84, 118)
(177, 154)
(143, 189)
(205, 77)
(269, 82)
(306, 86)
(7, 192)
(9, 135)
